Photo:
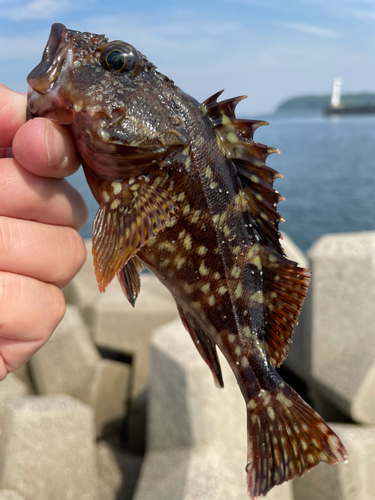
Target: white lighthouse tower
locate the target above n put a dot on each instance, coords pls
(336, 93)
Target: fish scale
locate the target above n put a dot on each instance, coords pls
(184, 190)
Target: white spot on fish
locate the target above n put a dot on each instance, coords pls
(204, 271)
(202, 250)
(238, 291)
(186, 210)
(211, 300)
(195, 217)
(236, 271)
(251, 404)
(284, 400)
(187, 242)
(247, 331)
(244, 362)
(116, 186)
(105, 196)
(238, 350)
(115, 203)
(180, 261)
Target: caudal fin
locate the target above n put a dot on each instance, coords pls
(286, 437)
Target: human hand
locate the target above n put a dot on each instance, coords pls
(40, 214)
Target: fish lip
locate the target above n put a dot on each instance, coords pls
(42, 77)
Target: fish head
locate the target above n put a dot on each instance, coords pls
(108, 93)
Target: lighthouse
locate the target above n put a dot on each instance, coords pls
(336, 93)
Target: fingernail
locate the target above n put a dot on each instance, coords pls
(57, 147)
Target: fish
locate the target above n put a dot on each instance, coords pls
(184, 190)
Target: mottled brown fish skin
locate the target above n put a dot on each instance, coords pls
(184, 190)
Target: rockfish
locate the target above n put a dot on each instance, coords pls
(184, 190)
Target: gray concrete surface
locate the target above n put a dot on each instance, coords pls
(12, 387)
(354, 480)
(107, 393)
(66, 363)
(69, 363)
(342, 341)
(196, 432)
(10, 495)
(47, 449)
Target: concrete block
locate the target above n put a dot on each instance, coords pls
(69, 363)
(12, 387)
(119, 326)
(342, 340)
(65, 364)
(107, 393)
(23, 374)
(47, 448)
(10, 495)
(198, 474)
(185, 407)
(196, 437)
(345, 481)
(118, 472)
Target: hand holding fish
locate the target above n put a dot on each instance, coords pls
(40, 213)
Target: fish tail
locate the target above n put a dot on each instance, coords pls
(286, 437)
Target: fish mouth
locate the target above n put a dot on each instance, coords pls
(43, 76)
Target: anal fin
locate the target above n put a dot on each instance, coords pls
(204, 344)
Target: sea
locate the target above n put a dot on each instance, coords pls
(328, 164)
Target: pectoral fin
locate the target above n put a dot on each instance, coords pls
(131, 215)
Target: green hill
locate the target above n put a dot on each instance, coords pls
(317, 103)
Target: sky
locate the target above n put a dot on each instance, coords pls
(269, 50)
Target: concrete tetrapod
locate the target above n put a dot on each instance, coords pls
(196, 437)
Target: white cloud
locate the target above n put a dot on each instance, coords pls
(362, 14)
(187, 36)
(36, 9)
(312, 30)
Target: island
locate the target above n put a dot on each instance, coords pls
(320, 103)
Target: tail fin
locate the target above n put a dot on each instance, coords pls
(286, 437)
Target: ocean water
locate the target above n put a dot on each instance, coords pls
(329, 174)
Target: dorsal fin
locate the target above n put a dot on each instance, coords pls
(285, 284)
(249, 157)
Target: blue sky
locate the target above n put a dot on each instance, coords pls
(267, 49)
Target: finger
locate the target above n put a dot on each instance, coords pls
(30, 310)
(12, 114)
(46, 149)
(48, 253)
(27, 196)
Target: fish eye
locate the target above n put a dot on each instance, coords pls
(120, 57)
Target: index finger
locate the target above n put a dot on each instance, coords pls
(12, 114)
